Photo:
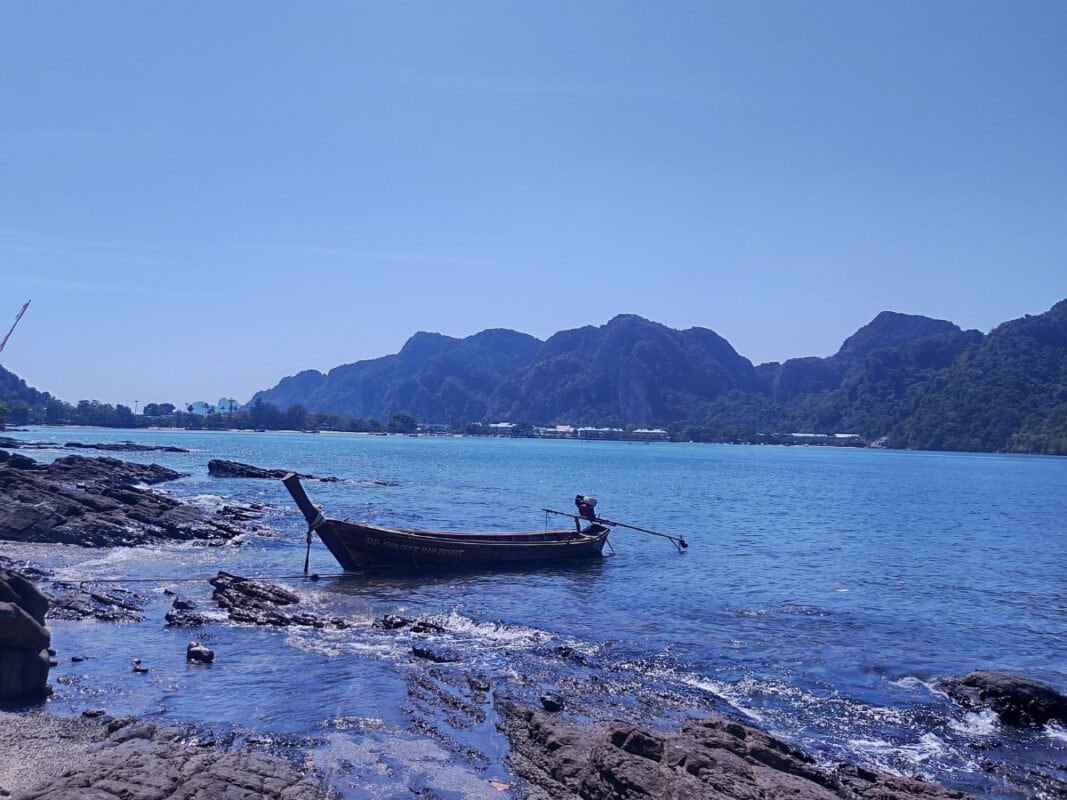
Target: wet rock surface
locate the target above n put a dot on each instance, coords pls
(220, 468)
(125, 447)
(1016, 700)
(119, 447)
(49, 758)
(94, 502)
(85, 601)
(258, 603)
(183, 614)
(709, 758)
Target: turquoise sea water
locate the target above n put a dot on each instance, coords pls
(822, 592)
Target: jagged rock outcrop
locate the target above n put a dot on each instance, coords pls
(127, 758)
(24, 639)
(221, 468)
(94, 502)
(1016, 700)
(258, 603)
(710, 759)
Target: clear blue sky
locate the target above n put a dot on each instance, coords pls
(202, 198)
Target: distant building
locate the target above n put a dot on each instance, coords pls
(556, 432)
(600, 433)
(649, 434)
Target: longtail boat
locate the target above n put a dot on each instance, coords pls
(360, 545)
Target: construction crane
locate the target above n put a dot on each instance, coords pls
(13, 324)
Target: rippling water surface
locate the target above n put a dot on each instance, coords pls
(823, 591)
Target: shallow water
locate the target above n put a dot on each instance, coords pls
(822, 592)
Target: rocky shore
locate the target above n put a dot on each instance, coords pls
(558, 750)
(54, 758)
(97, 502)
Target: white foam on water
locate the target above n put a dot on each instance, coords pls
(724, 690)
(909, 682)
(496, 634)
(1056, 732)
(335, 644)
(99, 568)
(888, 755)
(983, 722)
(206, 502)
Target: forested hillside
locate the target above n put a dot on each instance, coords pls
(899, 381)
(902, 380)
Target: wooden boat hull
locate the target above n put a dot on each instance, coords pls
(358, 546)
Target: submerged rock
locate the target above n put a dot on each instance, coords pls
(1016, 700)
(196, 653)
(709, 758)
(183, 615)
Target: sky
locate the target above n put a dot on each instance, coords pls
(202, 198)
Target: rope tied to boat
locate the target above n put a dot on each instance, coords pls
(313, 525)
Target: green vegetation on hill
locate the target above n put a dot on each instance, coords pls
(901, 380)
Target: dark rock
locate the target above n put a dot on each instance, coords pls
(709, 758)
(257, 603)
(570, 654)
(93, 502)
(92, 713)
(182, 615)
(24, 640)
(125, 447)
(1016, 700)
(437, 656)
(220, 468)
(552, 701)
(198, 654)
(80, 601)
(137, 760)
(392, 622)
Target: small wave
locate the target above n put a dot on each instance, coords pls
(337, 646)
(727, 692)
(205, 502)
(976, 723)
(901, 759)
(494, 633)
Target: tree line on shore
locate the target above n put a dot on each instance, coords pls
(902, 381)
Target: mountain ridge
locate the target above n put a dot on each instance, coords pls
(901, 380)
(890, 380)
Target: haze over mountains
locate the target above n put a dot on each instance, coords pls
(910, 380)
